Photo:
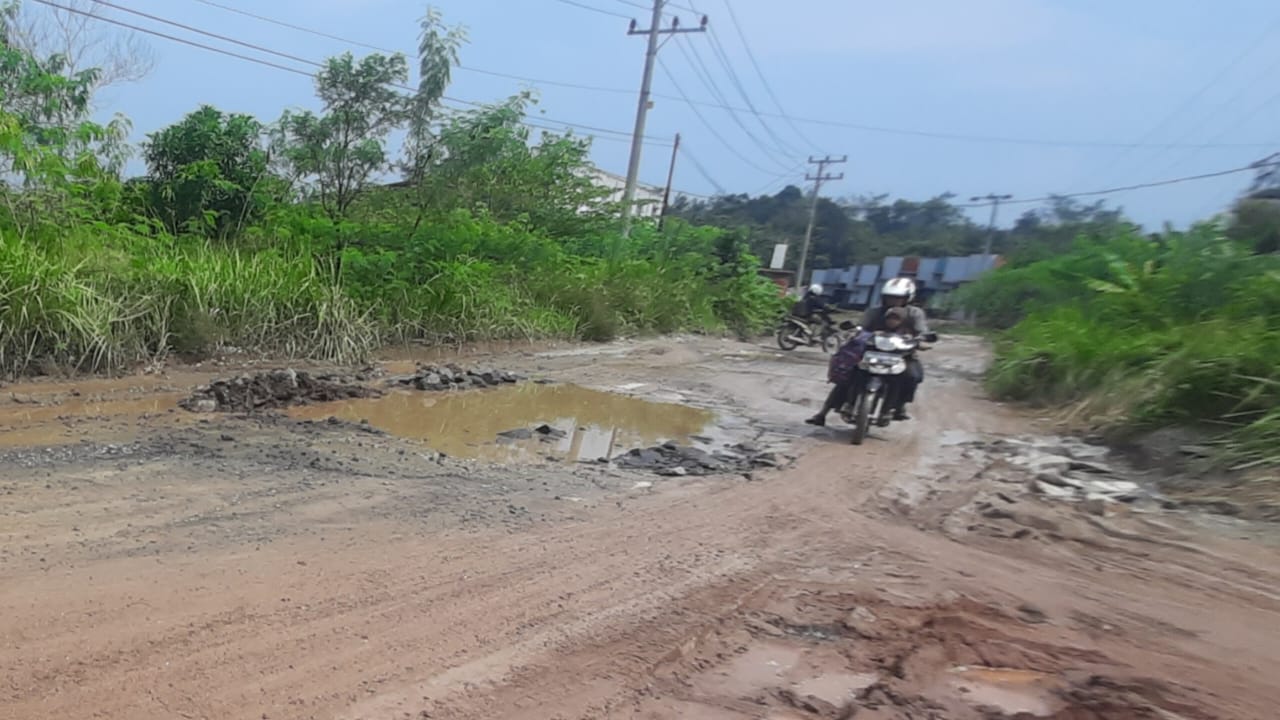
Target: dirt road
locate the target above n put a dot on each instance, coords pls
(170, 565)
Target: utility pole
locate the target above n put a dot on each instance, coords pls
(642, 110)
(995, 208)
(671, 176)
(818, 178)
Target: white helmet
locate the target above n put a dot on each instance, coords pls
(900, 287)
(816, 289)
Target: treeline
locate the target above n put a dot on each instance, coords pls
(284, 237)
(850, 231)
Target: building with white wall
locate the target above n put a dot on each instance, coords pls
(648, 200)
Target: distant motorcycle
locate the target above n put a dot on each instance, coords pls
(794, 332)
(877, 382)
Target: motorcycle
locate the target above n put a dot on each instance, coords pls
(877, 381)
(794, 332)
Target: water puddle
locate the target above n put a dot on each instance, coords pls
(527, 422)
(1012, 692)
(74, 419)
(837, 689)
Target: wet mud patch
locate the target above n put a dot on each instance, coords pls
(274, 390)
(870, 657)
(530, 422)
(77, 418)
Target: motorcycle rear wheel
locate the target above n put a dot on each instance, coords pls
(785, 339)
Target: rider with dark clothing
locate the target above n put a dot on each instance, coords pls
(813, 303)
(893, 320)
(898, 293)
(813, 307)
(895, 314)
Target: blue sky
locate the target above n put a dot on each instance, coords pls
(1122, 71)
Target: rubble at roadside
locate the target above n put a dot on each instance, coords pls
(1067, 470)
(674, 460)
(278, 389)
(273, 390)
(435, 378)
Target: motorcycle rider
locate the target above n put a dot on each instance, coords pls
(812, 306)
(848, 356)
(898, 293)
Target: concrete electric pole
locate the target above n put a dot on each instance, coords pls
(995, 208)
(642, 111)
(671, 176)
(818, 178)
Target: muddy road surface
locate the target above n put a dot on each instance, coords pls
(491, 553)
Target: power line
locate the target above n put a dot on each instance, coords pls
(1178, 111)
(718, 50)
(704, 74)
(532, 123)
(1126, 188)
(641, 6)
(710, 127)
(702, 170)
(733, 17)
(781, 115)
(777, 183)
(593, 8)
(378, 48)
(291, 26)
(1240, 118)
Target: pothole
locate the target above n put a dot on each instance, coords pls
(530, 422)
(1012, 692)
(77, 419)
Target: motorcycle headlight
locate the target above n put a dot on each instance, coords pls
(892, 343)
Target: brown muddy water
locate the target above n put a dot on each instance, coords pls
(71, 419)
(583, 424)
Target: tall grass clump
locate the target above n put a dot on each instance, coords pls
(1140, 332)
(276, 239)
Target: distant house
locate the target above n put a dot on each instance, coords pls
(781, 278)
(648, 200)
(859, 286)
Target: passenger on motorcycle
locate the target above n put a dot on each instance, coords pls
(845, 361)
(898, 293)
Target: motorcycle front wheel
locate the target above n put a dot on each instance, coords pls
(861, 418)
(830, 342)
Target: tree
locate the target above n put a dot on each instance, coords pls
(1266, 183)
(66, 165)
(484, 159)
(51, 106)
(82, 41)
(208, 172)
(338, 151)
(438, 48)
(1053, 229)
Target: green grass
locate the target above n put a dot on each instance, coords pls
(104, 298)
(1139, 334)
